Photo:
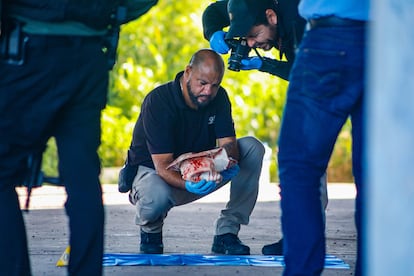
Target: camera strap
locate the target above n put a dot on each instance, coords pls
(258, 54)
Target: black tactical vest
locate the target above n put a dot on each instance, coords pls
(94, 13)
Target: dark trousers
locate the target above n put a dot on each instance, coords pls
(59, 91)
(327, 85)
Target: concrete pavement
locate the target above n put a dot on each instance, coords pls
(188, 229)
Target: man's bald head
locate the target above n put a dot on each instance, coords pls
(202, 78)
(208, 57)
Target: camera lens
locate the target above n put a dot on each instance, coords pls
(239, 50)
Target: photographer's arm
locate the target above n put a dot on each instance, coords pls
(215, 18)
(276, 67)
(268, 65)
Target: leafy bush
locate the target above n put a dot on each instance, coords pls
(155, 47)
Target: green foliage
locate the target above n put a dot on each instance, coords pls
(152, 53)
(340, 166)
(116, 136)
(50, 159)
(153, 48)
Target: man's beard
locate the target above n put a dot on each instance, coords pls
(194, 98)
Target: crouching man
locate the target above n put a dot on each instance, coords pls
(191, 114)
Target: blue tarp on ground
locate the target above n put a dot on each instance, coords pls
(125, 259)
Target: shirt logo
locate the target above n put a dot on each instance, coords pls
(211, 119)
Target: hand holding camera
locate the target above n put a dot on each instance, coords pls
(239, 50)
(251, 63)
(239, 56)
(218, 43)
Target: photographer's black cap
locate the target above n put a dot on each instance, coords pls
(243, 14)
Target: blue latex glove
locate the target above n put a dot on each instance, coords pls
(202, 187)
(230, 173)
(218, 44)
(251, 63)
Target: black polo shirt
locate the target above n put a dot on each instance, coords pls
(167, 125)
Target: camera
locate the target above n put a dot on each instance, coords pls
(239, 50)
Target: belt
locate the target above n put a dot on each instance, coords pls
(334, 21)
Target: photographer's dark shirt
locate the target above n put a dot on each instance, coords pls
(167, 125)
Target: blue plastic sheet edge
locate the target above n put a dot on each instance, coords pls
(126, 259)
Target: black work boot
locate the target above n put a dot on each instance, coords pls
(274, 248)
(151, 243)
(229, 244)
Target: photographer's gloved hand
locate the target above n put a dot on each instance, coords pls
(230, 173)
(126, 177)
(202, 187)
(251, 63)
(218, 44)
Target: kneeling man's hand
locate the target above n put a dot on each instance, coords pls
(202, 187)
(230, 173)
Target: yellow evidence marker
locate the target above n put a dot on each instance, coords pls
(64, 259)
